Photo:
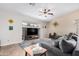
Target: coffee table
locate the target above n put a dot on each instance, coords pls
(35, 50)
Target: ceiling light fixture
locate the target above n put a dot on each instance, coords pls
(46, 12)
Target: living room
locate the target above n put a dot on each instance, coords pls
(26, 24)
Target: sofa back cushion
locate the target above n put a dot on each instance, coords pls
(67, 46)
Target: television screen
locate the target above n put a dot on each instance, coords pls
(32, 31)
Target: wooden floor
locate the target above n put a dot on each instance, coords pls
(12, 50)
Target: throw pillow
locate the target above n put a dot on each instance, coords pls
(74, 37)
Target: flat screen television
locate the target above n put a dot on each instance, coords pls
(32, 31)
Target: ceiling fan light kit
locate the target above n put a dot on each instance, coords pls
(46, 12)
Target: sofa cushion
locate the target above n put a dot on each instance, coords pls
(52, 51)
(56, 44)
(67, 46)
(73, 42)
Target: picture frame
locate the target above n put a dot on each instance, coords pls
(10, 27)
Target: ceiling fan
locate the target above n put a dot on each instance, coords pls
(46, 12)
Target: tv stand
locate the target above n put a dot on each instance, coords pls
(30, 37)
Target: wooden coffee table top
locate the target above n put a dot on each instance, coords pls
(32, 48)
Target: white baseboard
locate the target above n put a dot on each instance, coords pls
(11, 43)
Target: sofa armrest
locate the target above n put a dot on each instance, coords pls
(76, 50)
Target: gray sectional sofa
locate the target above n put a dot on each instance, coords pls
(67, 48)
(59, 47)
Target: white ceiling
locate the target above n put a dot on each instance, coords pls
(58, 9)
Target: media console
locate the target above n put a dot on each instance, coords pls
(30, 31)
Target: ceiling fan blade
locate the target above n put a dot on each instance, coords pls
(45, 10)
(41, 14)
(50, 13)
(48, 10)
(40, 11)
